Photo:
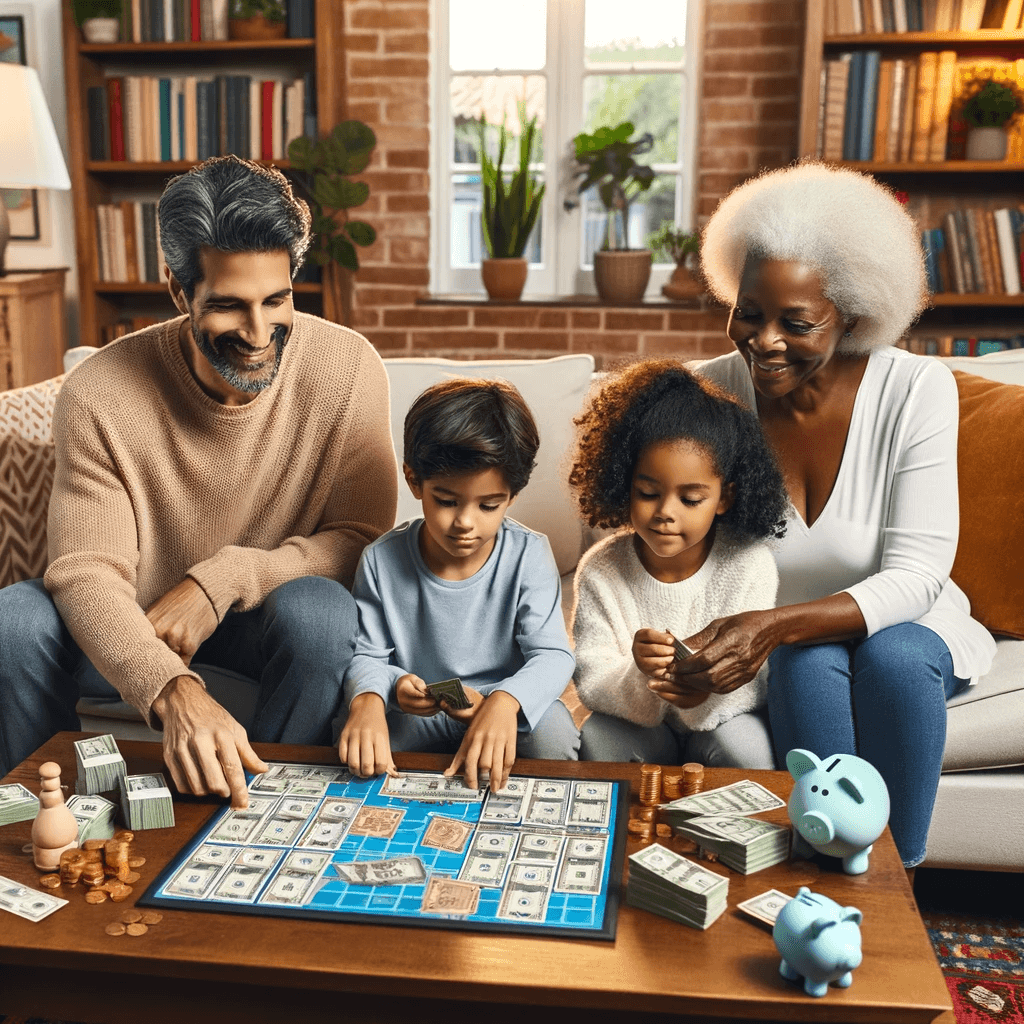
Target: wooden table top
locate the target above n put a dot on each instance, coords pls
(654, 966)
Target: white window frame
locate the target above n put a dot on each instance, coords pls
(560, 273)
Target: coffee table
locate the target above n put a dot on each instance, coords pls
(199, 967)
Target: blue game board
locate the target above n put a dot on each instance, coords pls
(542, 856)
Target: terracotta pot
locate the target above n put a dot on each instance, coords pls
(101, 30)
(621, 275)
(683, 284)
(986, 144)
(504, 278)
(256, 28)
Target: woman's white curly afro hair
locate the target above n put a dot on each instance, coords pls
(848, 227)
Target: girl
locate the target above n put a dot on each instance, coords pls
(686, 474)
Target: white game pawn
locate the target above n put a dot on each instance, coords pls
(55, 828)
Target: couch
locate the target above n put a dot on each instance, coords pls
(979, 814)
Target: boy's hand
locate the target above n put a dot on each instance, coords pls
(364, 744)
(490, 742)
(653, 653)
(464, 715)
(414, 698)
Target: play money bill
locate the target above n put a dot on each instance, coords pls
(451, 691)
(744, 797)
(27, 903)
(765, 907)
(394, 871)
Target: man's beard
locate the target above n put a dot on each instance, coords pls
(249, 381)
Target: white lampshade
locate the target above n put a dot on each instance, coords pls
(30, 155)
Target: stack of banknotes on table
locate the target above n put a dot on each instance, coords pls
(665, 883)
(146, 802)
(100, 765)
(17, 804)
(744, 844)
(95, 816)
(738, 798)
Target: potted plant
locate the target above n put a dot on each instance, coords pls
(680, 246)
(99, 20)
(510, 211)
(989, 106)
(256, 19)
(607, 159)
(322, 170)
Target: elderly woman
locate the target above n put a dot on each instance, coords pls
(870, 638)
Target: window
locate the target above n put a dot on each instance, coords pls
(575, 65)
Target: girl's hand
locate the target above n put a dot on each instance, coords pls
(490, 742)
(413, 697)
(465, 715)
(729, 653)
(653, 653)
(364, 744)
(679, 694)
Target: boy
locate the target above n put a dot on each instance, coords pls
(463, 592)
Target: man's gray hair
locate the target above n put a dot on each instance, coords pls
(234, 205)
(845, 225)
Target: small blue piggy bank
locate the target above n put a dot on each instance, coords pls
(818, 940)
(839, 806)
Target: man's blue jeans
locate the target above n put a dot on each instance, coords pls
(882, 699)
(296, 645)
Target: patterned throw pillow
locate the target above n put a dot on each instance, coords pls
(26, 479)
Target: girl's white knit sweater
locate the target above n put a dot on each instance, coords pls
(614, 596)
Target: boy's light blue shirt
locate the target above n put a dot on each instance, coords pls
(501, 629)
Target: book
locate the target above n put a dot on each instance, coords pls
(868, 105)
(140, 242)
(278, 121)
(943, 16)
(195, 22)
(149, 241)
(927, 67)
(130, 256)
(115, 88)
(953, 249)
(944, 75)
(971, 13)
(909, 110)
(892, 136)
(219, 17)
(309, 95)
(255, 118)
(267, 121)
(974, 251)
(883, 110)
(165, 118)
(190, 91)
(851, 122)
(992, 251)
(99, 123)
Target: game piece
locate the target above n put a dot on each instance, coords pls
(446, 896)
(115, 928)
(131, 916)
(650, 784)
(691, 780)
(96, 896)
(50, 881)
(55, 829)
(451, 692)
(447, 834)
(152, 917)
(137, 929)
(100, 765)
(136, 862)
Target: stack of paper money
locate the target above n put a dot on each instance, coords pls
(744, 844)
(146, 802)
(95, 816)
(100, 765)
(665, 883)
(17, 804)
(745, 797)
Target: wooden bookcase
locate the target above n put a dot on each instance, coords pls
(94, 182)
(933, 187)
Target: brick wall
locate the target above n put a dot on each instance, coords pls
(749, 120)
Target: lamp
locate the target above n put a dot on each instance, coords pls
(30, 155)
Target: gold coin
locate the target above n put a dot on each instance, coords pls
(125, 835)
(663, 831)
(136, 929)
(644, 813)
(95, 896)
(120, 894)
(50, 881)
(114, 928)
(136, 862)
(635, 827)
(131, 916)
(152, 917)
(93, 844)
(132, 877)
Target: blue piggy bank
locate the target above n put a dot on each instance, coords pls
(839, 806)
(818, 941)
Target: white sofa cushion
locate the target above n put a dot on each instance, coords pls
(1006, 367)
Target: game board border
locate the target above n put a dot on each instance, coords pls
(613, 897)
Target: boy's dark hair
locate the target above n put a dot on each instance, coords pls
(464, 425)
(655, 401)
(234, 205)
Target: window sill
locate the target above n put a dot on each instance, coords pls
(700, 302)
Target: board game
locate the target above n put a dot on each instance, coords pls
(543, 855)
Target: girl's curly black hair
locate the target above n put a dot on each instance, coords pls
(658, 400)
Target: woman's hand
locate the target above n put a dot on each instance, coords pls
(729, 653)
(653, 653)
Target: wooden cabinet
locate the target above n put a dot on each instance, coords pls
(33, 327)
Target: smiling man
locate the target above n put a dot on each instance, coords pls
(218, 476)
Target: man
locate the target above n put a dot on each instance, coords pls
(216, 475)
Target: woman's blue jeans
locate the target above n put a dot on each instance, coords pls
(882, 699)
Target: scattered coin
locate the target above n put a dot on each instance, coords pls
(115, 928)
(136, 862)
(95, 896)
(136, 929)
(131, 916)
(152, 917)
(663, 831)
(124, 835)
(132, 877)
(50, 881)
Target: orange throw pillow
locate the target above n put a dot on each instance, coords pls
(989, 565)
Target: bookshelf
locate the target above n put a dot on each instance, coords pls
(935, 187)
(94, 182)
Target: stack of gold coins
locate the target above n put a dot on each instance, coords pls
(650, 784)
(643, 830)
(693, 778)
(671, 785)
(644, 813)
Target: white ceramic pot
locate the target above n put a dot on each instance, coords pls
(986, 144)
(101, 30)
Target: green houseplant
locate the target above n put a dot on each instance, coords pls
(679, 246)
(256, 19)
(510, 212)
(323, 170)
(99, 20)
(989, 106)
(606, 159)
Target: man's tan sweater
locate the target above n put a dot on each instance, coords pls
(156, 481)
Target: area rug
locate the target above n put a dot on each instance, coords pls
(983, 964)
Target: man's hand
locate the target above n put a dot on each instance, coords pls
(205, 749)
(464, 715)
(364, 744)
(653, 653)
(490, 742)
(183, 618)
(414, 698)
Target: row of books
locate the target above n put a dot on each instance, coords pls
(856, 17)
(145, 119)
(192, 21)
(126, 325)
(947, 345)
(128, 242)
(904, 110)
(976, 251)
